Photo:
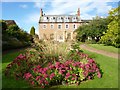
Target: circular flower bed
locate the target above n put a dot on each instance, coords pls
(68, 72)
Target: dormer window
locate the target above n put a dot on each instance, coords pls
(59, 19)
(74, 19)
(66, 19)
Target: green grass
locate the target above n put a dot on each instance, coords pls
(9, 82)
(108, 65)
(105, 48)
(109, 68)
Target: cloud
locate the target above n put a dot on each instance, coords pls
(32, 18)
(88, 9)
(58, 0)
(23, 6)
(39, 4)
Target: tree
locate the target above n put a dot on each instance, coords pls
(3, 26)
(32, 31)
(94, 29)
(111, 37)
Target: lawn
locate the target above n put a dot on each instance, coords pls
(106, 48)
(11, 82)
(108, 65)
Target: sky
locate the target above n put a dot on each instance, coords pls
(26, 13)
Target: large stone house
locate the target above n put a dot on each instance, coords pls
(59, 27)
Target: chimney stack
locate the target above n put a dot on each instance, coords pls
(41, 12)
(78, 12)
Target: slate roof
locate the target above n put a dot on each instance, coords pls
(59, 18)
(10, 22)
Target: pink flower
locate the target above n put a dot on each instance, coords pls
(71, 69)
(52, 75)
(74, 75)
(42, 86)
(46, 82)
(74, 64)
(37, 78)
(45, 69)
(52, 67)
(27, 75)
(89, 77)
(63, 70)
(73, 78)
(82, 66)
(57, 63)
(38, 66)
(62, 65)
(21, 57)
(90, 60)
(45, 75)
(34, 69)
(32, 83)
(99, 75)
(60, 72)
(68, 74)
(41, 81)
(87, 66)
(49, 64)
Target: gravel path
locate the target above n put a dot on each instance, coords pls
(110, 54)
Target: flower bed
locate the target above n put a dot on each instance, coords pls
(69, 72)
(77, 68)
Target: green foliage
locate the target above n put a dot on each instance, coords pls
(112, 36)
(14, 37)
(94, 29)
(3, 26)
(32, 31)
(74, 52)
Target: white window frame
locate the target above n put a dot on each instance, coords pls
(45, 26)
(59, 19)
(58, 26)
(66, 25)
(45, 19)
(75, 26)
(74, 19)
(66, 19)
(51, 19)
(52, 25)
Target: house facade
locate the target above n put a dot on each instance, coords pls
(59, 27)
